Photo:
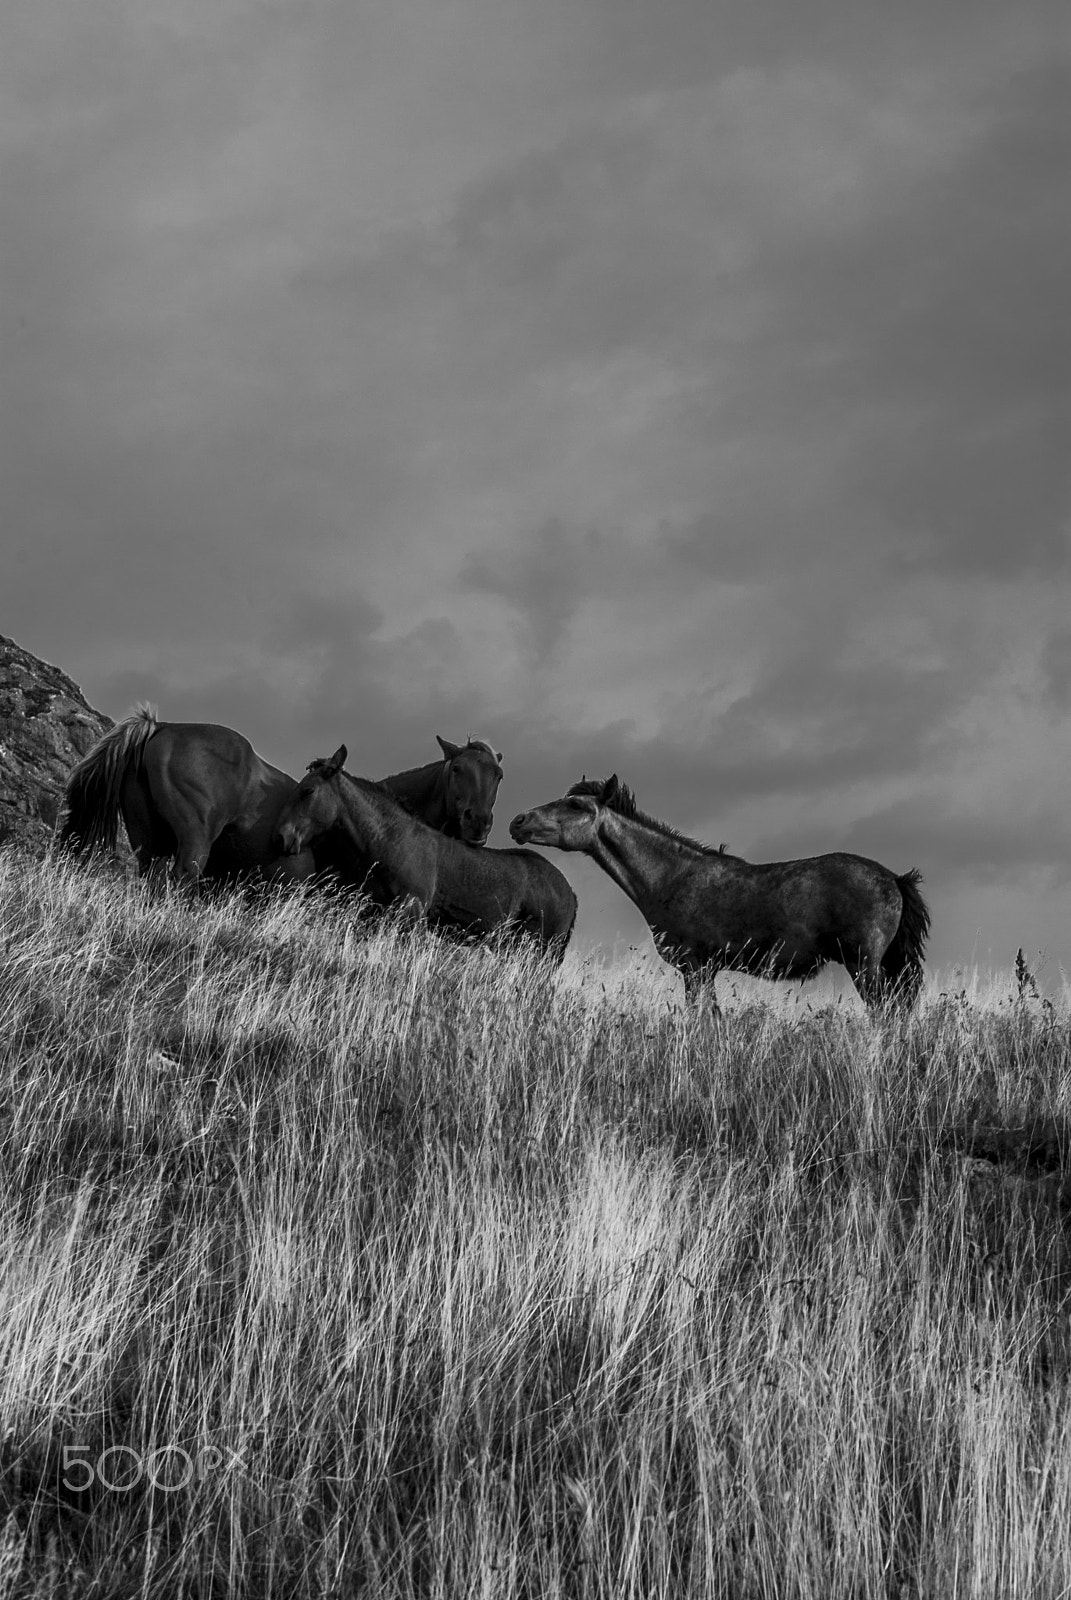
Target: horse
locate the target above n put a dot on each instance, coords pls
(199, 793)
(710, 911)
(396, 858)
(457, 795)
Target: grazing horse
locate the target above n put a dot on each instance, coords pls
(711, 911)
(199, 793)
(379, 846)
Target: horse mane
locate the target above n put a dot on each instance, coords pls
(623, 802)
(372, 785)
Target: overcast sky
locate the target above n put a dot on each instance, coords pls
(656, 386)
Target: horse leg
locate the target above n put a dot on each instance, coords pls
(410, 911)
(197, 831)
(150, 838)
(194, 847)
(864, 969)
(699, 988)
(183, 837)
(192, 859)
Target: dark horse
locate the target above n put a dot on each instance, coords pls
(710, 911)
(455, 795)
(201, 794)
(379, 846)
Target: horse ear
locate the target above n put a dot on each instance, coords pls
(610, 790)
(449, 750)
(498, 757)
(336, 762)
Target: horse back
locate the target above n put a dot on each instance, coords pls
(489, 888)
(203, 775)
(814, 905)
(544, 902)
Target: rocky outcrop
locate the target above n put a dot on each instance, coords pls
(46, 727)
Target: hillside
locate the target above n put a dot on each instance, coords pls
(345, 1263)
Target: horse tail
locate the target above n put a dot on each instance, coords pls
(901, 965)
(92, 820)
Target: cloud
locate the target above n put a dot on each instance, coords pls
(545, 580)
(813, 723)
(931, 337)
(643, 49)
(324, 671)
(955, 842)
(642, 224)
(666, 389)
(1056, 669)
(844, 316)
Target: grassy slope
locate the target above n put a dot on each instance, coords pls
(466, 1284)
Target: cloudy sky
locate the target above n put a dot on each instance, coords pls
(673, 388)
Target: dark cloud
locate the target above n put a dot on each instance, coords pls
(953, 843)
(326, 674)
(1056, 669)
(523, 224)
(790, 740)
(574, 249)
(876, 351)
(935, 336)
(814, 722)
(545, 580)
(758, 531)
(325, 348)
(827, 710)
(331, 634)
(674, 44)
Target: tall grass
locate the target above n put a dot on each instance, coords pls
(437, 1276)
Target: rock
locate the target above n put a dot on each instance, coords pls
(46, 727)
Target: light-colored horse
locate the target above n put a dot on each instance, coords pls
(711, 911)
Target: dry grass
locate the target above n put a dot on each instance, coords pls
(454, 1280)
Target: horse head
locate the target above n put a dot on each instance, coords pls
(312, 809)
(471, 776)
(570, 823)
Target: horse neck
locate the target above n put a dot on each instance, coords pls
(365, 816)
(646, 864)
(423, 788)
